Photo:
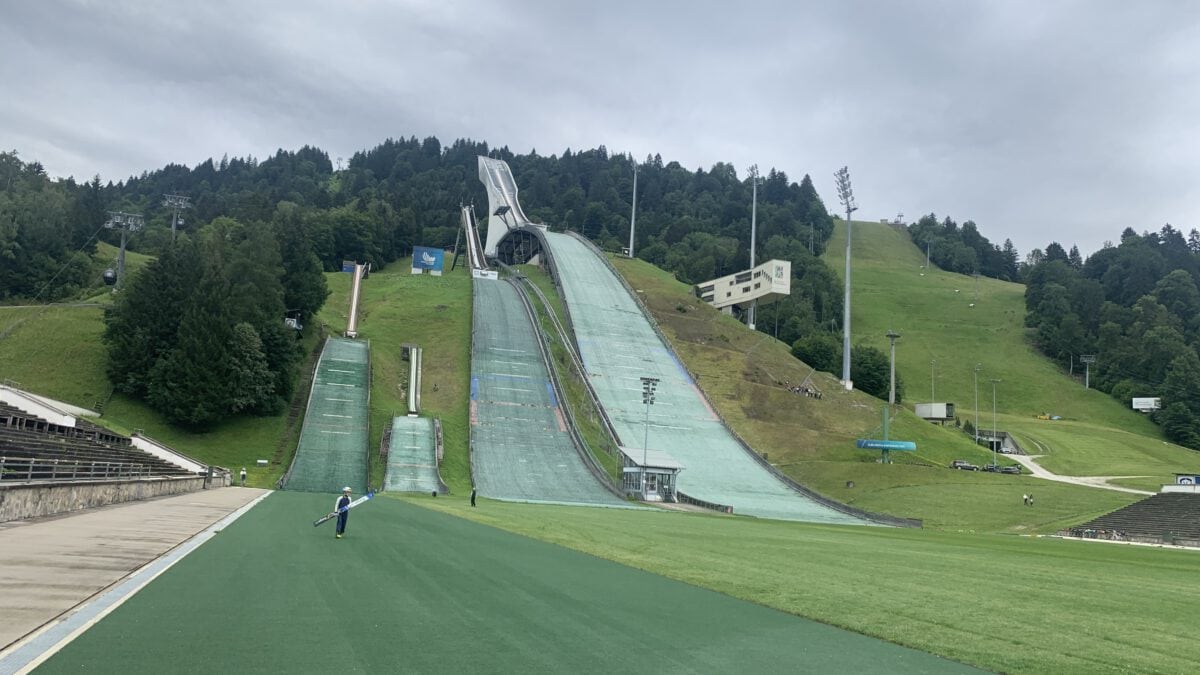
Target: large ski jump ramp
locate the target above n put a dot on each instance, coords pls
(521, 449)
(618, 347)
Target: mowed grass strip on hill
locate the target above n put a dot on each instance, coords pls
(433, 313)
(1007, 604)
(932, 311)
(812, 440)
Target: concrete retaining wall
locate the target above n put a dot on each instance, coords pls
(30, 500)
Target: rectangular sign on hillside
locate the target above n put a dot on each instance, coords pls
(1147, 404)
(869, 444)
(427, 259)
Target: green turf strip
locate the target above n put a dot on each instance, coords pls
(412, 590)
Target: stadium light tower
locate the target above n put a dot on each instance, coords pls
(753, 234)
(649, 385)
(846, 196)
(177, 202)
(892, 336)
(633, 210)
(994, 383)
(126, 222)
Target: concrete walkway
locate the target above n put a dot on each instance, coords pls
(50, 565)
(1088, 481)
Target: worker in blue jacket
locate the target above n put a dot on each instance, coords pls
(343, 512)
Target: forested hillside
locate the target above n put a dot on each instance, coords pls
(406, 192)
(1136, 308)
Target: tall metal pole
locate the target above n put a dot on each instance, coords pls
(892, 335)
(976, 373)
(933, 381)
(994, 382)
(176, 202)
(633, 211)
(127, 222)
(846, 195)
(753, 233)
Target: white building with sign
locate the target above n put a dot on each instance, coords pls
(765, 284)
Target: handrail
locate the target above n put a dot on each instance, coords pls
(685, 498)
(35, 468)
(438, 452)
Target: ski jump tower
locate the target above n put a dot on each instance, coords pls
(504, 211)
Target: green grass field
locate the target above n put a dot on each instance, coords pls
(1004, 603)
(433, 313)
(56, 351)
(931, 310)
(813, 440)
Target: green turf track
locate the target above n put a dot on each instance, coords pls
(412, 590)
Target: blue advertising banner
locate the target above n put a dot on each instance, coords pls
(425, 258)
(885, 445)
(348, 266)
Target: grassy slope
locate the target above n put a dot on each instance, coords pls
(893, 291)
(813, 440)
(36, 349)
(433, 313)
(1008, 604)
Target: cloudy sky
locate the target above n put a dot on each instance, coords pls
(1041, 120)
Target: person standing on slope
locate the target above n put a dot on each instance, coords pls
(340, 507)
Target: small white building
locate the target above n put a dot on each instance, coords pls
(765, 283)
(649, 475)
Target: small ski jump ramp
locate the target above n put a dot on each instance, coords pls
(412, 464)
(332, 452)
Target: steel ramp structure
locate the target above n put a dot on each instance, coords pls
(332, 452)
(521, 447)
(618, 346)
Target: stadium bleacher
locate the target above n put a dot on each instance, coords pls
(32, 448)
(1167, 517)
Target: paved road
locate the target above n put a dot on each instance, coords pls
(53, 564)
(1087, 481)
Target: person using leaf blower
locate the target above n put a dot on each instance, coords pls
(342, 511)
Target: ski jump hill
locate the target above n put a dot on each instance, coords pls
(619, 345)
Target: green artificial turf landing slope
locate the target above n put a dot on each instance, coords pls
(413, 590)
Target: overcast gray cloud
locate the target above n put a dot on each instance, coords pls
(1041, 121)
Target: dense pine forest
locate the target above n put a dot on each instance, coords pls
(260, 233)
(1135, 306)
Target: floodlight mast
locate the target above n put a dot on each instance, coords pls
(892, 336)
(753, 234)
(846, 196)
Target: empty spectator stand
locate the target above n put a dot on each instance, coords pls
(1166, 518)
(33, 448)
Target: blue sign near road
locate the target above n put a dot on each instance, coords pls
(425, 258)
(865, 444)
